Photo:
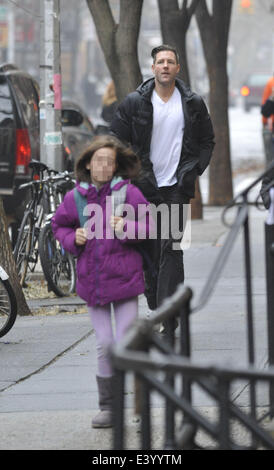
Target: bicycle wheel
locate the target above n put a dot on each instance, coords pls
(8, 305)
(23, 246)
(58, 265)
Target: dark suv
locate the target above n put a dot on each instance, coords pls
(19, 136)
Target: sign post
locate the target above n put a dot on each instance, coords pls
(51, 150)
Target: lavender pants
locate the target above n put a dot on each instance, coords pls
(125, 312)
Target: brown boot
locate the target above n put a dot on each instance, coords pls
(103, 419)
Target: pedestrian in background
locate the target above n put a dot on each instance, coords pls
(109, 270)
(109, 102)
(267, 111)
(170, 129)
(268, 119)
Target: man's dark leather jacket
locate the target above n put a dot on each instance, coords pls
(133, 121)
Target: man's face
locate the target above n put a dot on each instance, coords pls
(165, 68)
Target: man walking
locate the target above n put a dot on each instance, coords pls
(169, 127)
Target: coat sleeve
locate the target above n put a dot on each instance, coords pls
(206, 139)
(268, 108)
(121, 122)
(139, 222)
(266, 94)
(64, 224)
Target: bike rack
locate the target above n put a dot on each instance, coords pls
(136, 353)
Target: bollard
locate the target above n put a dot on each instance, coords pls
(269, 261)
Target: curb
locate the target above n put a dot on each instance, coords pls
(64, 302)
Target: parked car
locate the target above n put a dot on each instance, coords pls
(19, 137)
(252, 90)
(77, 130)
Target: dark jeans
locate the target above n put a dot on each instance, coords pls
(168, 261)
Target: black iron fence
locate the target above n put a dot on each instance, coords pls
(158, 364)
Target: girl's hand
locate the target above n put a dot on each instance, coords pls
(116, 223)
(80, 236)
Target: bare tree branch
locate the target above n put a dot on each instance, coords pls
(203, 13)
(129, 24)
(101, 11)
(119, 41)
(184, 6)
(104, 24)
(192, 8)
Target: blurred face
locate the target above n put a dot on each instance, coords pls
(165, 68)
(102, 166)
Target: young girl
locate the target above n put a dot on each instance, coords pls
(109, 269)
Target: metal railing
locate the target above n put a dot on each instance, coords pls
(143, 352)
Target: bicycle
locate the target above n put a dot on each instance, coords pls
(34, 240)
(58, 265)
(8, 303)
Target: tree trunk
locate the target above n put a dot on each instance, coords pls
(214, 31)
(174, 25)
(220, 173)
(119, 42)
(8, 263)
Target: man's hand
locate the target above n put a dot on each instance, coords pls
(80, 236)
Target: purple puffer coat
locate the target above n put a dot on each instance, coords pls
(107, 269)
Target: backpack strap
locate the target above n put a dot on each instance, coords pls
(118, 199)
(81, 202)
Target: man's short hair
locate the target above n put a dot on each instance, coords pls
(164, 47)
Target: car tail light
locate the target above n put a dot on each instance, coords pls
(67, 150)
(245, 91)
(23, 151)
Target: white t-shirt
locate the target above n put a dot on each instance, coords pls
(167, 137)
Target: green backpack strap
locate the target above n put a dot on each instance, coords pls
(81, 202)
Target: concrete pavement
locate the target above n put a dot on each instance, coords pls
(48, 362)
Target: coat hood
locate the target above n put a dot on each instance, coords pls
(86, 188)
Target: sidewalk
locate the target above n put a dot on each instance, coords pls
(48, 362)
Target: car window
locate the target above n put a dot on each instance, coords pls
(33, 101)
(27, 98)
(6, 109)
(74, 118)
(71, 117)
(258, 80)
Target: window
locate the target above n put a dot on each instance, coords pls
(28, 100)
(6, 110)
